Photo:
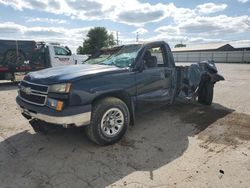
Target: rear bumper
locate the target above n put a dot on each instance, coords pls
(78, 115)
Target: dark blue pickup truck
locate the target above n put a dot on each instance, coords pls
(105, 96)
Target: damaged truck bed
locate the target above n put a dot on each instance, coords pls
(105, 96)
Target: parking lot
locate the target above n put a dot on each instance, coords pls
(180, 145)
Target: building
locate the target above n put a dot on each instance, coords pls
(220, 53)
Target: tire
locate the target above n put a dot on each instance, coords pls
(206, 93)
(109, 121)
(11, 57)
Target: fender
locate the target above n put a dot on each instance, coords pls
(216, 78)
(124, 96)
(206, 77)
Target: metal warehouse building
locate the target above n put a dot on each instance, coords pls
(220, 53)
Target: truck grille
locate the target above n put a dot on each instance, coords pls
(35, 87)
(33, 93)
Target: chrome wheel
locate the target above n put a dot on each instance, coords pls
(112, 122)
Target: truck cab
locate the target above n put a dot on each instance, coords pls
(60, 56)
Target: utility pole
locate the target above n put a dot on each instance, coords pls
(137, 37)
(117, 38)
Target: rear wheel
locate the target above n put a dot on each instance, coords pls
(205, 95)
(109, 121)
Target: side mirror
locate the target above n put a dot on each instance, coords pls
(70, 53)
(140, 67)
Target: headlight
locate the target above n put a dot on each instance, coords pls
(60, 88)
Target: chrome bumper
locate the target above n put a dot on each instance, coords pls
(78, 120)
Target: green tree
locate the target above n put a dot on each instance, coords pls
(97, 38)
(79, 50)
(180, 45)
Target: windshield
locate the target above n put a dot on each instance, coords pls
(98, 59)
(124, 57)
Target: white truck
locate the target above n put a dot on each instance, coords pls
(60, 55)
(24, 56)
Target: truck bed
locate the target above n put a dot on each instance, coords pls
(189, 78)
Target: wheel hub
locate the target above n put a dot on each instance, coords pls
(112, 122)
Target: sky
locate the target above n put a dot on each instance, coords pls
(68, 21)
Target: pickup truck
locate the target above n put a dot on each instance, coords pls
(104, 97)
(25, 56)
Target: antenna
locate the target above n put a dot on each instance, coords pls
(137, 37)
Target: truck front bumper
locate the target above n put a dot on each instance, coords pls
(75, 115)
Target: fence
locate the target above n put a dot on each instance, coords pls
(219, 57)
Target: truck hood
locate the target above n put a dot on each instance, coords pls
(70, 73)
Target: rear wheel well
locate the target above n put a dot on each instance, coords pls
(122, 96)
(205, 78)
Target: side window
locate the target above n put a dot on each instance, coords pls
(60, 51)
(153, 57)
(157, 52)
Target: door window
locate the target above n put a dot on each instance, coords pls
(153, 57)
(61, 51)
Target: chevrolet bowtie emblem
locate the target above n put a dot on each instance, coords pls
(26, 90)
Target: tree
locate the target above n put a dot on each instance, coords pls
(79, 50)
(97, 38)
(180, 45)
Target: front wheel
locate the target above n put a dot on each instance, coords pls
(109, 121)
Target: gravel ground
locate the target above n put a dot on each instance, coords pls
(182, 145)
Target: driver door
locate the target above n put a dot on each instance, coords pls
(154, 82)
(61, 56)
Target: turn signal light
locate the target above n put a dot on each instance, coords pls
(59, 106)
(55, 104)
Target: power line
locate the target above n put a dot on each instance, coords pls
(117, 38)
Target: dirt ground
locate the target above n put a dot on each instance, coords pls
(182, 145)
